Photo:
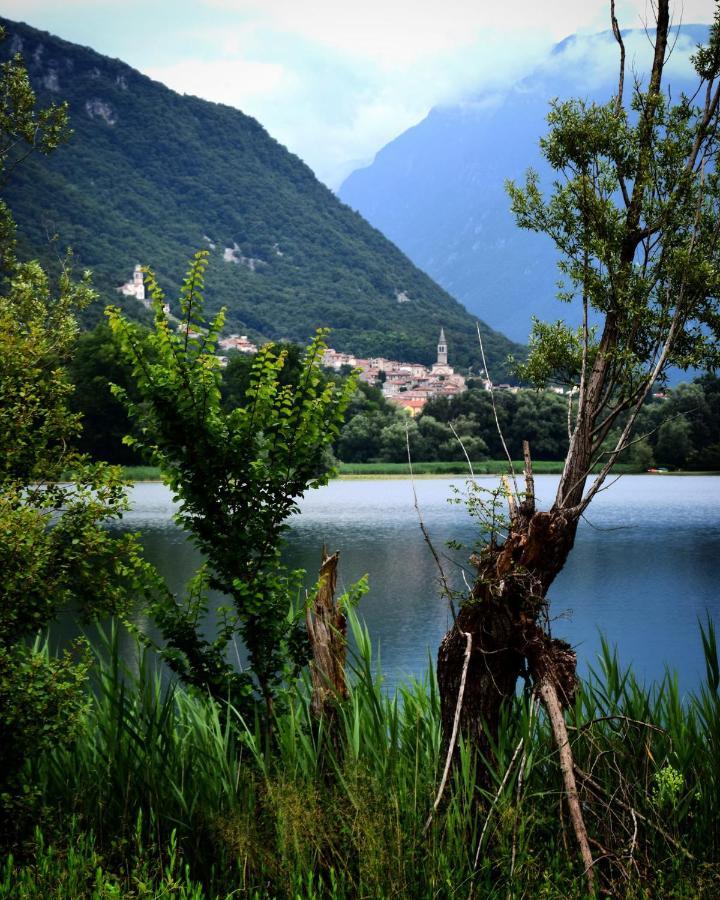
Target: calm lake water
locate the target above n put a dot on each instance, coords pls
(645, 567)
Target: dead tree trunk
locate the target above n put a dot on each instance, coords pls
(504, 617)
(327, 631)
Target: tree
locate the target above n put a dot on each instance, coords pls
(634, 214)
(360, 438)
(674, 443)
(237, 475)
(541, 419)
(54, 554)
(95, 366)
(394, 438)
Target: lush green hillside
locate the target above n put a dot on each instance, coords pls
(150, 176)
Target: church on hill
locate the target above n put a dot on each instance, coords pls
(412, 389)
(441, 367)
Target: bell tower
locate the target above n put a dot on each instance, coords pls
(442, 349)
(138, 282)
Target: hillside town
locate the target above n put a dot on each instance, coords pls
(407, 385)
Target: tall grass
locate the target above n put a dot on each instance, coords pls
(142, 473)
(166, 789)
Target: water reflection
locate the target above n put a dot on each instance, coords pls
(645, 565)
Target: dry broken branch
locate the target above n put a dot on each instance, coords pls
(453, 736)
(548, 691)
(327, 631)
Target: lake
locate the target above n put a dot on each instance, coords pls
(645, 567)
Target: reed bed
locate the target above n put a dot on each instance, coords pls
(166, 794)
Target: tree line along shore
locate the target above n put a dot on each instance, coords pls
(678, 428)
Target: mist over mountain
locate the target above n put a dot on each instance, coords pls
(438, 190)
(150, 176)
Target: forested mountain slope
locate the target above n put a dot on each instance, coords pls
(438, 190)
(150, 176)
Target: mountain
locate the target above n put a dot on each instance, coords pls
(438, 190)
(150, 176)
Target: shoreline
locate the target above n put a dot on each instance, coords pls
(399, 471)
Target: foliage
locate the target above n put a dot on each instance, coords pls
(157, 776)
(96, 365)
(54, 554)
(537, 416)
(75, 869)
(24, 129)
(634, 215)
(685, 425)
(480, 467)
(150, 174)
(237, 476)
(237, 375)
(374, 429)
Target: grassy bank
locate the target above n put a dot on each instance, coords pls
(166, 795)
(142, 473)
(482, 467)
(401, 470)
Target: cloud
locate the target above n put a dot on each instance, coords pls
(355, 75)
(397, 33)
(334, 109)
(235, 82)
(592, 61)
(21, 9)
(332, 80)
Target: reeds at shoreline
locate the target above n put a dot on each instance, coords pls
(166, 794)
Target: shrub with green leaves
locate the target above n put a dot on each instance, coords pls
(237, 476)
(54, 552)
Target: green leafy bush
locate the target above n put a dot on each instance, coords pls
(237, 475)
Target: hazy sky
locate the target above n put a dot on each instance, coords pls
(332, 80)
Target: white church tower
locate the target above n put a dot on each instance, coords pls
(138, 283)
(135, 287)
(442, 349)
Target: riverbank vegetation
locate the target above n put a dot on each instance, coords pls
(163, 793)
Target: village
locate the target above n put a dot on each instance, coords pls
(405, 384)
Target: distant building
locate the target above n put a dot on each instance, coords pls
(411, 386)
(405, 384)
(183, 328)
(135, 287)
(332, 359)
(441, 351)
(238, 342)
(413, 405)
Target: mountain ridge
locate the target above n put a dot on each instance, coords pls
(437, 190)
(151, 176)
